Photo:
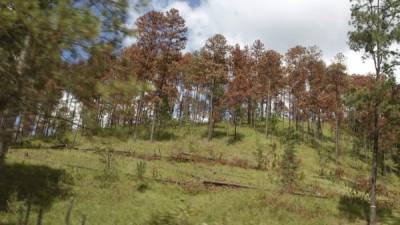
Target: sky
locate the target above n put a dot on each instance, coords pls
(279, 24)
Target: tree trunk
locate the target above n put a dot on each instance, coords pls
(319, 123)
(290, 106)
(317, 137)
(374, 168)
(3, 149)
(184, 109)
(211, 116)
(383, 167)
(19, 128)
(180, 113)
(235, 122)
(138, 114)
(249, 111)
(262, 108)
(8, 119)
(268, 110)
(253, 113)
(6, 135)
(365, 146)
(153, 122)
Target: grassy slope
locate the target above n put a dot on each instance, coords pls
(120, 202)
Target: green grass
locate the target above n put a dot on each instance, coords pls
(50, 178)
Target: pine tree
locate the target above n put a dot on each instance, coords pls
(336, 84)
(270, 81)
(35, 51)
(376, 28)
(239, 83)
(161, 37)
(214, 57)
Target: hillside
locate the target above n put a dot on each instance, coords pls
(184, 179)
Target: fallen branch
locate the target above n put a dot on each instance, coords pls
(226, 184)
(170, 181)
(185, 157)
(309, 195)
(59, 146)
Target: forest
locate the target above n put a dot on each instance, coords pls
(94, 131)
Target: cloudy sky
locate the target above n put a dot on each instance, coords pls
(279, 24)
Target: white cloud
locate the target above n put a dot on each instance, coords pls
(280, 25)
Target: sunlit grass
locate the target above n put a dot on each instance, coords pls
(121, 202)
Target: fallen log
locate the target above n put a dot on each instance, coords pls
(186, 157)
(59, 146)
(170, 181)
(207, 183)
(309, 195)
(226, 184)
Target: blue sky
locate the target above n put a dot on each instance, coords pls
(279, 24)
(194, 3)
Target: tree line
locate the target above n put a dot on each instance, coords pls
(152, 84)
(63, 68)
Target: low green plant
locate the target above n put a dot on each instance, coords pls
(167, 218)
(274, 156)
(140, 172)
(13, 204)
(260, 156)
(289, 162)
(272, 122)
(109, 173)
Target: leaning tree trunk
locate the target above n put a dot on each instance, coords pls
(138, 114)
(8, 118)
